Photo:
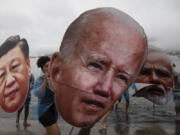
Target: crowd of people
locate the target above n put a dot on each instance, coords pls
(103, 52)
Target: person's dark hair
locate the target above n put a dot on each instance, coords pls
(42, 61)
(12, 42)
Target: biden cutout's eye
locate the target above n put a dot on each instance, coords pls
(94, 66)
(123, 78)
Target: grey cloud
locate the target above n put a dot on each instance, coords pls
(43, 22)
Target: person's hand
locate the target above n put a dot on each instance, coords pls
(46, 75)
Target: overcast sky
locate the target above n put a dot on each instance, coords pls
(43, 22)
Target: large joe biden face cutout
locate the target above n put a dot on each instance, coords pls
(90, 76)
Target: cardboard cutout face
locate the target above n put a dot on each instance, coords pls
(14, 79)
(158, 72)
(100, 70)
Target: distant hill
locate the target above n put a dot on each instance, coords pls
(173, 53)
(37, 56)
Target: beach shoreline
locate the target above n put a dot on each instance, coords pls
(143, 116)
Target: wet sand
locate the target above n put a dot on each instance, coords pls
(143, 118)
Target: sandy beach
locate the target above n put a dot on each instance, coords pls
(143, 118)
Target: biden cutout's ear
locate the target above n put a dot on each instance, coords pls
(55, 70)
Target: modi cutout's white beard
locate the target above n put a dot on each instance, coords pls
(154, 93)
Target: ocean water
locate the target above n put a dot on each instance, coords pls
(34, 69)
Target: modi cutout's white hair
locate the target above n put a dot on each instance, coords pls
(74, 31)
(152, 48)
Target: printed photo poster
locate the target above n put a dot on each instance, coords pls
(113, 67)
(14, 73)
(156, 79)
(89, 76)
